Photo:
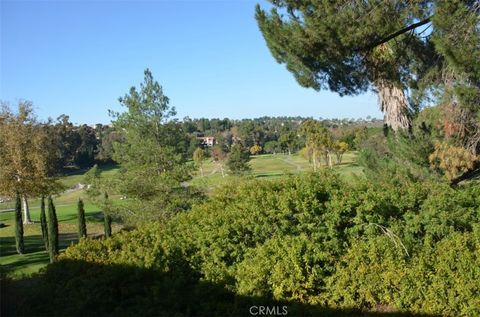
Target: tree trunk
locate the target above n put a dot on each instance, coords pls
(27, 220)
(393, 103)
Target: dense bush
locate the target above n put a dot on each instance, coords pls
(288, 268)
(369, 275)
(441, 278)
(307, 240)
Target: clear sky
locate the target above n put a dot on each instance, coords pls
(78, 57)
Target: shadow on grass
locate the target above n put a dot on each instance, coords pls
(27, 262)
(81, 171)
(78, 288)
(264, 175)
(34, 243)
(90, 217)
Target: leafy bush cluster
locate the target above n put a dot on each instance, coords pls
(304, 240)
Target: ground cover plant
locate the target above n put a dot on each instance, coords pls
(312, 242)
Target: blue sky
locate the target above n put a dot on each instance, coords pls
(78, 57)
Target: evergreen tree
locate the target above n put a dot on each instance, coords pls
(237, 160)
(107, 219)
(19, 226)
(350, 47)
(43, 223)
(52, 224)
(152, 155)
(82, 226)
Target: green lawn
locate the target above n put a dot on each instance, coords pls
(35, 257)
(14, 265)
(270, 165)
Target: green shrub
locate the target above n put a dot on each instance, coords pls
(288, 268)
(309, 239)
(441, 279)
(444, 277)
(368, 276)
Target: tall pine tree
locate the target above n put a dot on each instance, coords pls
(19, 226)
(152, 154)
(52, 224)
(82, 226)
(350, 47)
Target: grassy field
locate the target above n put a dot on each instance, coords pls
(14, 265)
(35, 257)
(270, 165)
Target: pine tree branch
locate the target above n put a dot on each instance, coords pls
(394, 35)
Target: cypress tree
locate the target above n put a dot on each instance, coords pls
(82, 226)
(52, 224)
(43, 223)
(107, 220)
(19, 226)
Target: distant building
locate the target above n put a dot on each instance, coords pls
(206, 140)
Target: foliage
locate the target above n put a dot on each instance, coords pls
(107, 137)
(255, 149)
(440, 279)
(318, 142)
(310, 239)
(452, 160)
(348, 47)
(398, 158)
(457, 37)
(152, 156)
(198, 158)
(96, 185)
(219, 157)
(339, 148)
(43, 223)
(24, 156)
(288, 140)
(285, 268)
(19, 243)
(237, 160)
(369, 275)
(272, 147)
(82, 226)
(107, 217)
(52, 224)
(450, 271)
(432, 148)
(336, 46)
